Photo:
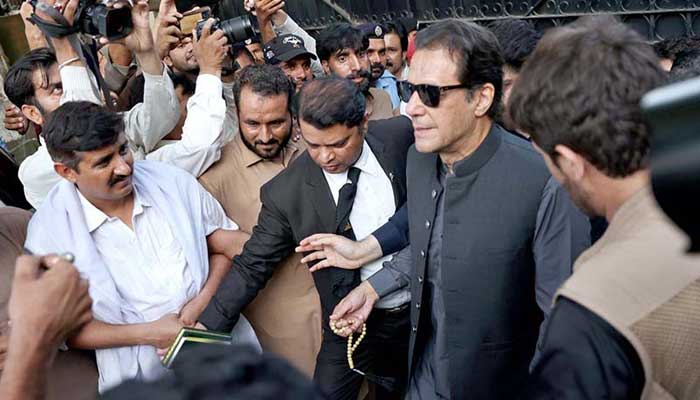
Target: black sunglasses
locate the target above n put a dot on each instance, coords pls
(428, 94)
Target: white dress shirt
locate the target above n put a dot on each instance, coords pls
(199, 148)
(374, 204)
(148, 264)
(136, 275)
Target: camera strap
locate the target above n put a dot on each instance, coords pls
(59, 29)
(92, 62)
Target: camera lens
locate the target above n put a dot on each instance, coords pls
(118, 23)
(237, 29)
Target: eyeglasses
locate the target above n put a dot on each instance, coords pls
(428, 94)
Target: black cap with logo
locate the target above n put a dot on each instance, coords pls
(284, 48)
(372, 31)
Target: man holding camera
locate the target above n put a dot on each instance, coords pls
(194, 151)
(39, 82)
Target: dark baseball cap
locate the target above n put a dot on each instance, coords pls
(372, 31)
(284, 48)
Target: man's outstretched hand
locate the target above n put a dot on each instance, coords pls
(338, 251)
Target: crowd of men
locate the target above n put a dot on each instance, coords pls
(472, 203)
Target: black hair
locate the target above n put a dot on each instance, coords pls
(671, 48)
(209, 372)
(330, 101)
(132, 94)
(264, 80)
(582, 87)
(517, 39)
(338, 37)
(79, 126)
(397, 28)
(188, 86)
(686, 66)
(475, 51)
(237, 51)
(18, 81)
(410, 24)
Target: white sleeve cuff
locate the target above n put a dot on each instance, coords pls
(155, 78)
(207, 83)
(75, 74)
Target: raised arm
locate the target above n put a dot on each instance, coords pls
(202, 138)
(148, 122)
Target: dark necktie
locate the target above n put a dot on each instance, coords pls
(346, 197)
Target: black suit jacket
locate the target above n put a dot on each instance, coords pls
(295, 204)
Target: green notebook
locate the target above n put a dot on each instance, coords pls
(189, 337)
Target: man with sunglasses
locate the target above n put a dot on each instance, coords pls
(492, 234)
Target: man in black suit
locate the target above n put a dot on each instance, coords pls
(350, 181)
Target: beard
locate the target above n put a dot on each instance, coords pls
(298, 83)
(377, 72)
(262, 153)
(581, 199)
(365, 75)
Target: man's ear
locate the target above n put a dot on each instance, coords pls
(326, 67)
(65, 171)
(570, 163)
(168, 61)
(364, 123)
(483, 97)
(32, 113)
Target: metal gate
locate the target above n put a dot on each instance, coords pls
(654, 19)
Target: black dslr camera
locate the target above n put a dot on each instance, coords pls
(97, 19)
(92, 17)
(237, 30)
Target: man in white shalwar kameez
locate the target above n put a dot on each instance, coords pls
(153, 244)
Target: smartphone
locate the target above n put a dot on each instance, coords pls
(189, 20)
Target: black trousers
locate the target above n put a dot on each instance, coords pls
(383, 352)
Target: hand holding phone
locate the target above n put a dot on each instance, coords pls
(189, 20)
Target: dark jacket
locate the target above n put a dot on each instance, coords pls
(487, 262)
(295, 204)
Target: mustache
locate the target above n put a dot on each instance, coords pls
(271, 141)
(360, 74)
(118, 178)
